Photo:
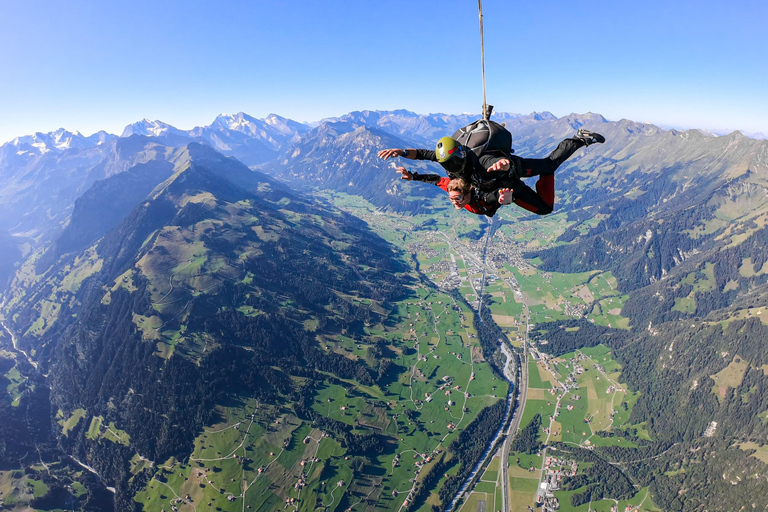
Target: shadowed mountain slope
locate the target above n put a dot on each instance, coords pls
(206, 288)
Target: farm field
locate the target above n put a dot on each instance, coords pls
(592, 404)
(558, 296)
(641, 502)
(261, 454)
(578, 407)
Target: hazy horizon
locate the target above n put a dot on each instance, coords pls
(686, 65)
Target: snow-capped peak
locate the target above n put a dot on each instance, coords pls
(62, 139)
(239, 122)
(148, 128)
(41, 143)
(274, 120)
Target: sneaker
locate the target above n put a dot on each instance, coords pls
(589, 137)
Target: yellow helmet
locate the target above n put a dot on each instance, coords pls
(446, 148)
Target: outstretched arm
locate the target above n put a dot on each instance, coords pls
(386, 154)
(406, 174)
(409, 153)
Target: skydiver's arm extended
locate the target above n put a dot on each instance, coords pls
(423, 154)
(428, 178)
(410, 153)
(386, 154)
(406, 174)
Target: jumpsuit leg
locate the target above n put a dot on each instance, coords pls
(542, 201)
(525, 167)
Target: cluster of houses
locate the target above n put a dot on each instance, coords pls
(549, 504)
(577, 310)
(452, 278)
(570, 380)
(554, 471)
(477, 283)
(302, 480)
(510, 251)
(449, 270)
(178, 501)
(445, 387)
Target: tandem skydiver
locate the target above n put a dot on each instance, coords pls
(463, 195)
(490, 173)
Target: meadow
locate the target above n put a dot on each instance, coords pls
(262, 454)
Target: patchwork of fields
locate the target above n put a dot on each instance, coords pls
(264, 457)
(579, 395)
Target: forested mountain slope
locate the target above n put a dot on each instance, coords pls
(206, 289)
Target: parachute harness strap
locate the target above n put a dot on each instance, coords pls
(486, 114)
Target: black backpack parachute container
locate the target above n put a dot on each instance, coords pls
(486, 137)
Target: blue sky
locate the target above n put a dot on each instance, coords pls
(90, 65)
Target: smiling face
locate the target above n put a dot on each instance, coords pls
(459, 192)
(458, 199)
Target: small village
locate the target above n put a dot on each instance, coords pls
(554, 471)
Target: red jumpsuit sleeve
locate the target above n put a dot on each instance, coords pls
(443, 183)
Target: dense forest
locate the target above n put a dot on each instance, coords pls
(600, 480)
(470, 446)
(648, 244)
(489, 334)
(527, 440)
(637, 247)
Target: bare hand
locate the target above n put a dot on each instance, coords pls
(505, 196)
(406, 174)
(386, 154)
(500, 165)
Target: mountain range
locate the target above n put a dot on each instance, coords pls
(158, 280)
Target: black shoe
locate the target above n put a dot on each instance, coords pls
(589, 137)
